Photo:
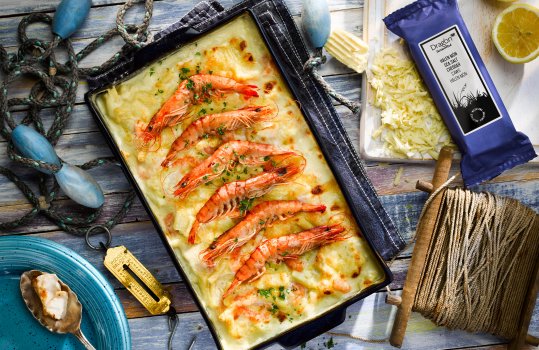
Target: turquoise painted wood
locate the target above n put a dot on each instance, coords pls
(69, 17)
(316, 22)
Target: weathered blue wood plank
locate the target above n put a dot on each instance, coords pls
(165, 13)
(139, 237)
(13, 7)
(370, 318)
(405, 209)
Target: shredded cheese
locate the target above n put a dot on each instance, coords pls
(411, 125)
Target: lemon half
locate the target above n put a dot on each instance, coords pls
(516, 33)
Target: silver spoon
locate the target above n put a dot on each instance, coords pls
(69, 324)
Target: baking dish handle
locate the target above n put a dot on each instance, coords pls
(313, 329)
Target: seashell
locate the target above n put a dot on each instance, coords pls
(316, 22)
(72, 320)
(31, 144)
(348, 49)
(69, 16)
(80, 186)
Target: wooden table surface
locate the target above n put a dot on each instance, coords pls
(82, 141)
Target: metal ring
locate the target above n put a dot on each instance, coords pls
(102, 245)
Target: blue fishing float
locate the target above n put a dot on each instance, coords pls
(316, 22)
(76, 183)
(69, 16)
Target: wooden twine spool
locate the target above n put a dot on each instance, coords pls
(423, 273)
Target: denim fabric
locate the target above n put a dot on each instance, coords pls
(289, 50)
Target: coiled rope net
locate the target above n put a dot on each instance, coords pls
(55, 88)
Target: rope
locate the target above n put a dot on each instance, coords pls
(56, 88)
(311, 67)
(479, 264)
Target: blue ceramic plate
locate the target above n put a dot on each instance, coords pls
(103, 320)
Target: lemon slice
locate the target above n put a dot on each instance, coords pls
(349, 49)
(516, 33)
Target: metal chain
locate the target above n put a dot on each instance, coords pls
(56, 88)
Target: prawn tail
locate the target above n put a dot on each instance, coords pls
(193, 232)
(171, 155)
(320, 208)
(167, 162)
(249, 90)
(334, 233)
(233, 286)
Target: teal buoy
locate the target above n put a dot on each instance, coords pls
(80, 186)
(76, 183)
(69, 16)
(31, 144)
(316, 22)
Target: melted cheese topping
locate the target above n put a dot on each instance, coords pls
(281, 298)
(411, 125)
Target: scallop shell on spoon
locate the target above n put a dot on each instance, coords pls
(73, 317)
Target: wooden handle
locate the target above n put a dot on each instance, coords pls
(423, 238)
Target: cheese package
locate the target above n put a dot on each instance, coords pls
(461, 88)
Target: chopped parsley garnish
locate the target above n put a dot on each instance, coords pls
(266, 158)
(274, 308)
(245, 204)
(152, 70)
(205, 177)
(184, 72)
(160, 62)
(261, 222)
(198, 69)
(160, 91)
(216, 168)
(221, 130)
(281, 293)
(205, 136)
(197, 54)
(202, 112)
(266, 293)
(210, 72)
(206, 88)
(190, 84)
